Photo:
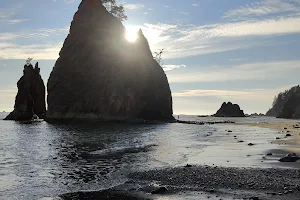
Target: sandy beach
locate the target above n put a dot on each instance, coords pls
(284, 128)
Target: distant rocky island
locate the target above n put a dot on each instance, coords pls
(286, 104)
(101, 76)
(256, 114)
(30, 99)
(229, 110)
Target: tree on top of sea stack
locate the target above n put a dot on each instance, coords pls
(102, 76)
(115, 9)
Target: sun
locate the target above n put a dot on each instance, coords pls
(131, 34)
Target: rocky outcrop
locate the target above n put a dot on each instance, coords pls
(256, 115)
(229, 110)
(286, 104)
(291, 109)
(30, 98)
(100, 75)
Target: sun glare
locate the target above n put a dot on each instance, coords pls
(131, 34)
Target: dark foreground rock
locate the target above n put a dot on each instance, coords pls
(291, 157)
(229, 110)
(30, 98)
(100, 75)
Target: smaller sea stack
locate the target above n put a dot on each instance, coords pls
(229, 110)
(30, 98)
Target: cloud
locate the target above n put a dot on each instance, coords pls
(261, 94)
(38, 51)
(68, 1)
(172, 67)
(36, 45)
(7, 15)
(8, 12)
(184, 13)
(133, 6)
(265, 7)
(34, 34)
(235, 59)
(196, 5)
(183, 40)
(8, 93)
(14, 21)
(228, 94)
(251, 71)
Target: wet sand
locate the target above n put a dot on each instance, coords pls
(283, 128)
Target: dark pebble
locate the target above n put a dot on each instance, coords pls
(160, 190)
(211, 190)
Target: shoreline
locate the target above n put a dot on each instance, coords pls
(283, 128)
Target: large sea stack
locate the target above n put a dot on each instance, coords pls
(229, 110)
(101, 76)
(30, 98)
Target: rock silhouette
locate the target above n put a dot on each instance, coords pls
(229, 110)
(30, 98)
(286, 104)
(291, 109)
(101, 76)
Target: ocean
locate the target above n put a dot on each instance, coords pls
(41, 160)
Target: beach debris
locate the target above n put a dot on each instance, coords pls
(285, 128)
(211, 190)
(251, 144)
(269, 154)
(188, 165)
(159, 190)
(291, 157)
(296, 126)
(278, 138)
(288, 135)
(240, 141)
(229, 131)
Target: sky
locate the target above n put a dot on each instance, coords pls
(243, 51)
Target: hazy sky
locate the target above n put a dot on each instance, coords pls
(244, 51)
